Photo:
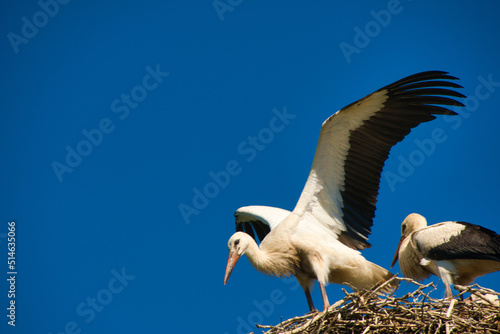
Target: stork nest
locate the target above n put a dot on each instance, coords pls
(415, 312)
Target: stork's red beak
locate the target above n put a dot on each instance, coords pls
(396, 256)
(231, 262)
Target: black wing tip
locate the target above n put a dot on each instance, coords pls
(433, 75)
(256, 230)
(439, 76)
(429, 88)
(412, 100)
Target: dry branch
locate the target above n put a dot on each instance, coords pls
(415, 312)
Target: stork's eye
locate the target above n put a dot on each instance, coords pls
(236, 242)
(403, 229)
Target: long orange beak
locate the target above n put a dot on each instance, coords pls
(231, 262)
(396, 256)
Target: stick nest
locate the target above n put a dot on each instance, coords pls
(415, 312)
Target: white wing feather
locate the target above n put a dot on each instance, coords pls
(268, 215)
(341, 191)
(321, 195)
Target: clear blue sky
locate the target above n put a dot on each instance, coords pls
(116, 115)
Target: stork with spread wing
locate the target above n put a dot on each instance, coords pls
(321, 238)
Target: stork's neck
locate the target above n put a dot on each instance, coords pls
(257, 257)
(271, 263)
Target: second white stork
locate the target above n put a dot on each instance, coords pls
(457, 252)
(321, 238)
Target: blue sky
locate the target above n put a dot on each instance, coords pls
(114, 115)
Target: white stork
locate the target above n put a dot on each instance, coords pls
(321, 238)
(457, 252)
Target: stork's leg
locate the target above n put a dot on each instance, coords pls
(305, 283)
(446, 277)
(309, 299)
(326, 303)
(447, 288)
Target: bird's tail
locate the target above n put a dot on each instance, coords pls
(370, 276)
(361, 274)
(382, 279)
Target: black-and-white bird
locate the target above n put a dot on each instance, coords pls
(321, 238)
(457, 252)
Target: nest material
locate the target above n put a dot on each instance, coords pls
(415, 312)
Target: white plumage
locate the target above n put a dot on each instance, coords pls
(456, 252)
(321, 238)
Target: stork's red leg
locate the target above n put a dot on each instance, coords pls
(449, 294)
(326, 303)
(309, 299)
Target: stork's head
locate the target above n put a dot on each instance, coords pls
(413, 222)
(237, 244)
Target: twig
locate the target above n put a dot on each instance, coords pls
(415, 312)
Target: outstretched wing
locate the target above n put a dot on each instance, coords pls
(260, 220)
(342, 187)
